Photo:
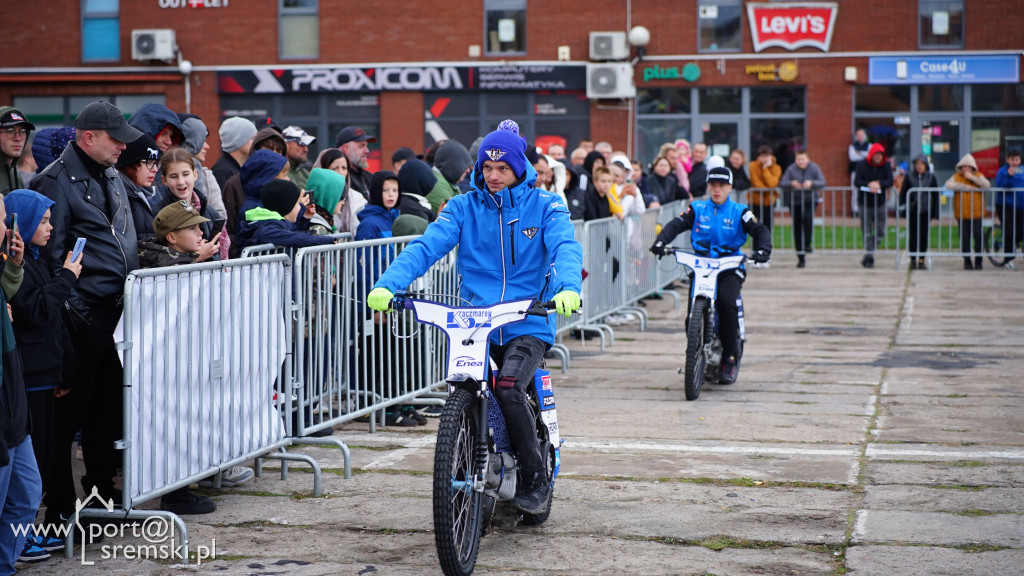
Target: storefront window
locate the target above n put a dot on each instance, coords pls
(663, 101)
(881, 98)
(776, 100)
(991, 137)
(53, 111)
(997, 97)
(505, 26)
(544, 118)
(941, 24)
(720, 100)
(884, 130)
(652, 133)
(720, 25)
(299, 28)
(784, 136)
(940, 98)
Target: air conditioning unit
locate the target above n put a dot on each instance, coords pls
(155, 44)
(613, 80)
(608, 46)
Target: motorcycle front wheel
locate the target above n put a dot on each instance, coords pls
(458, 508)
(696, 362)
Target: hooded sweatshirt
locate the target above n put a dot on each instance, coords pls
(450, 163)
(416, 180)
(152, 118)
(968, 200)
(922, 202)
(375, 221)
(37, 306)
(327, 188)
(869, 171)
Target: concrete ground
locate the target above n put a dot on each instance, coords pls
(876, 428)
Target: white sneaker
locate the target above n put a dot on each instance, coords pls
(1010, 266)
(234, 476)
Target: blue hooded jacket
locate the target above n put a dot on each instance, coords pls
(30, 207)
(152, 118)
(517, 243)
(1005, 180)
(261, 167)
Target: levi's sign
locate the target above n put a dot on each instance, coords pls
(792, 25)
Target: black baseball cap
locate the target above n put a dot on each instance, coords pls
(353, 134)
(105, 116)
(13, 117)
(720, 174)
(404, 153)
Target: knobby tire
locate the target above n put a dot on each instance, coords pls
(458, 513)
(696, 362)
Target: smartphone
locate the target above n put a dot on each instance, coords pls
(218, 225)
(79, 246)
(14, 230)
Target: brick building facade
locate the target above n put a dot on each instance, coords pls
(414, 72)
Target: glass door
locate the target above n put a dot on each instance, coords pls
(940, 141)
(721, 137)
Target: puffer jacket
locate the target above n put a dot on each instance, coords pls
(968, 198)
(517, 243)
(110, 253)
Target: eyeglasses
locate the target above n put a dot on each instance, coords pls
(151, 164)
(14, 132)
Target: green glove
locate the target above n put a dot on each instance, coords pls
(379, 299)
(567, 302)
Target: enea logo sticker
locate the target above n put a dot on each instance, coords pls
(469, 319)
(467, 362)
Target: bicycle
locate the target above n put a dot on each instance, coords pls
(703, 347)
(475, 467)
(992, 242)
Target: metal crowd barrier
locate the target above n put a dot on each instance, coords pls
(930, 227)
(351, 362)
(206, 354)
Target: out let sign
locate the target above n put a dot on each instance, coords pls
(792, 25)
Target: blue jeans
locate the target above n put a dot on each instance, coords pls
(20, 492)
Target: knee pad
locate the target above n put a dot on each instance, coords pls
(505, 390)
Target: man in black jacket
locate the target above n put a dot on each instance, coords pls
(90, 202)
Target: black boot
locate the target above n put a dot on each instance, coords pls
(977, 263)
(868, 261)
(534, 495)
(967, 264)
(800, 262)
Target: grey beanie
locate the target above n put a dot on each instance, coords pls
(235, 132)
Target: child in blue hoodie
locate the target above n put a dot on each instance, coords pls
(20, 482)
(41, 336)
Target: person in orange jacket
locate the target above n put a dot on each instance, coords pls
(969, 207)
(764, 173)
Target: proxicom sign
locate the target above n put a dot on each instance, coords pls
(792, 25)
(355, 79)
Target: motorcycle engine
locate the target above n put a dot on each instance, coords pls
(501, 476)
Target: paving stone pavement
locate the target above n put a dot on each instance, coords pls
(876, 428)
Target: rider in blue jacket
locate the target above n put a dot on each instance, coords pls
(719, 228)
(515, 242)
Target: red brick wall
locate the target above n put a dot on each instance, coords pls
(246, 33)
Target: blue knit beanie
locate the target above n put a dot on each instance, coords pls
(504, 145)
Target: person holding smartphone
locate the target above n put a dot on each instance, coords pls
(1010, 205)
